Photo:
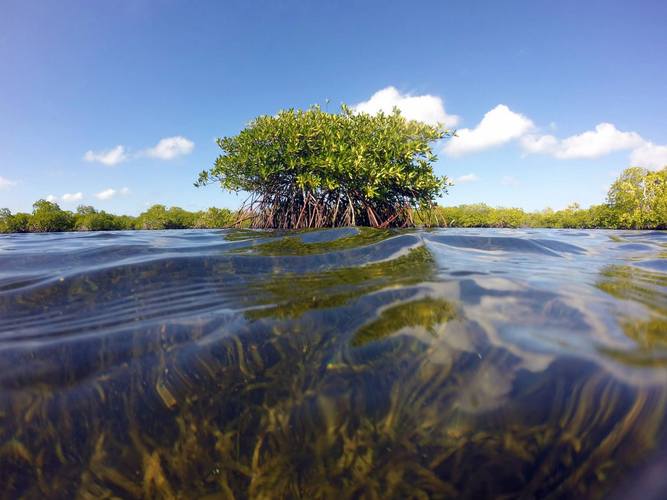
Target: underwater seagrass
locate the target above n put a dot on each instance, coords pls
(325, 364)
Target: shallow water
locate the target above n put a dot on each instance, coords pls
(346, 363)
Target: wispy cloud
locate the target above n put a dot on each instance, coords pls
(6, 183)
(424, 108)
(467, 178)
(108, 157)
(72, 197)
(170, 147)
(107, 194)
(498, 126)
(166, 149)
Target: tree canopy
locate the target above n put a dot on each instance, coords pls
(636, 200)
(639, 198)
(317, 169)
(48, 216)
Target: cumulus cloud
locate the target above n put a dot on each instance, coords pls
(171, 147)
(605, 139)
(499, 126)
(107, 194)
(424, 108)
(467, 178)
(502, 125)
(109, 157)
(649, 155)
(6, 183)
(70, 197)
(51, 198)
(539, 144)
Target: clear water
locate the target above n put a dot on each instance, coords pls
(339, 363)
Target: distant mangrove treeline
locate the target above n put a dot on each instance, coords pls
(573, 217)
(48, 216)
(636, 200)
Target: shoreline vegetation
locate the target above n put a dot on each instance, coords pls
(636, 200)
(49, 217)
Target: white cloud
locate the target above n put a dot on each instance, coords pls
(424, 108)
(69, 197)
(649, 155)
(171, 147)
(107, 194)
(605, 139)
(108, 157)
(51, 198)
(6, 183)
(467, 178)
(543, 144)
(499, 126)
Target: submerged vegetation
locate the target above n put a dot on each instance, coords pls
(310, 169)
(356, 370)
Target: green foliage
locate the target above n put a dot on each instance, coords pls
(214, 218)
(639, 199)
(636, 200)
(479, 215)
(48, 216)
(5, 218)
(89, 219)
(317, 169)
(17, 223)
(153, 218)
(159, 217)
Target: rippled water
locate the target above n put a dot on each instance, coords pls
(346, 363)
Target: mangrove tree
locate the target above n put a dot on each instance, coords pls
(307, 169)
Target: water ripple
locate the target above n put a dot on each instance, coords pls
(472, 363)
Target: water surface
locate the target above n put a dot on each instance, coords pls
(338, 363)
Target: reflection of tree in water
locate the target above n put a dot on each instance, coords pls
(303, 396)
(427, 313)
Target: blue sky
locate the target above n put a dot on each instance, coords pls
(117, 104)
